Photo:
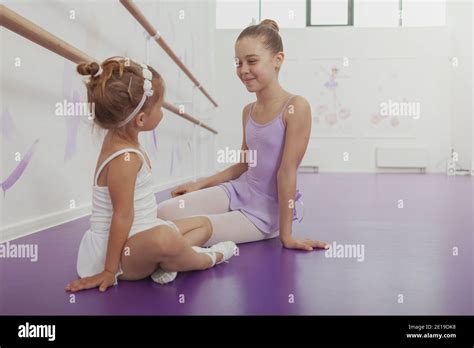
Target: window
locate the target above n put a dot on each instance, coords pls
(376, 13)
(423, 13)
(287, 13)
(396, 13)
(334, 12)
(238, 14)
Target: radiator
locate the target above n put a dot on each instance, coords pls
(403, 158)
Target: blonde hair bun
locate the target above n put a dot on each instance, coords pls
(86, 69)
(271, 24)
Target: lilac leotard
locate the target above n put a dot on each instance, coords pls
(255, 192)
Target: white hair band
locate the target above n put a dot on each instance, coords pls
(147, 92)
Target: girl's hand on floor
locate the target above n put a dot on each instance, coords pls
(185, 188)
(304, 244)
(102, 280)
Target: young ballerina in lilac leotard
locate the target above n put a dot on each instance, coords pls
(249, 203)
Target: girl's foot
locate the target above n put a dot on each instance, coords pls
(163, 277)
(220, 252)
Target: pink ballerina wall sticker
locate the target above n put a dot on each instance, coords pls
(18, 171)
(333, 111)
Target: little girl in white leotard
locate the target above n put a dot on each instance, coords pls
(126, 240)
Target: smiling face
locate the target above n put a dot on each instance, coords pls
(256, 66)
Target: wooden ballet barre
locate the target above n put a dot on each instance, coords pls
(22, 26)
(175, 110)
(153, 33)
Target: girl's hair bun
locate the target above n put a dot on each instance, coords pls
(271, 24)
(88, 68)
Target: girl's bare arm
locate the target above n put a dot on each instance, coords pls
(121, 179)
(298, 129)
(230, 173)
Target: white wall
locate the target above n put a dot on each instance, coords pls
(418, 59)
(43, 194)
(459, 21)
(384, 63)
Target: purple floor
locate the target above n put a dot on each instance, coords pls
(408, 252)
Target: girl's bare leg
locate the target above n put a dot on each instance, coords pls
(197, 229)
(160, 245)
